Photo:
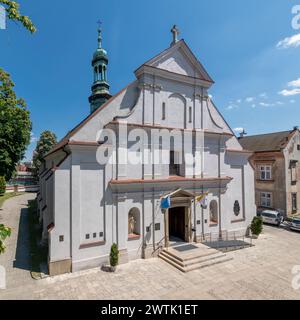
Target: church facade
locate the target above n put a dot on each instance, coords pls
(87, 204)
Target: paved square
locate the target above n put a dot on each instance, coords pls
(260, 272)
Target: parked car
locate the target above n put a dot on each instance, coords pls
(271, 217)
(295, 224)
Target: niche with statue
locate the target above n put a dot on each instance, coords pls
(134, 223)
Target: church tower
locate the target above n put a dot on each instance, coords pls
(100, 88)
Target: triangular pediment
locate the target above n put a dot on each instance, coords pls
(181, 194)
(179, 59)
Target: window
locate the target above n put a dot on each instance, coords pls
(298, 147)
(265, 172)
(266, 199)
(213, 212)
(293, 167)
(133, 223)
(190, 114)
(87, 236)
(294, 202)
(163, 111)
(174, 169)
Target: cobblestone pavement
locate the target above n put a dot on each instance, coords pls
(260, 272)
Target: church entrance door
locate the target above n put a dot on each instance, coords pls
(177, 223)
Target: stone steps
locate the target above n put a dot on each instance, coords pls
(197, 258)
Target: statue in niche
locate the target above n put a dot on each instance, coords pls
(131, 223)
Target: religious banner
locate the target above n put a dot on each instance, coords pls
(165, 202)
(202, 199)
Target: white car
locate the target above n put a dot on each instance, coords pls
(295, 224)
(272, 217)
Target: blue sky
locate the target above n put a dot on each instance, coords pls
(240, 42)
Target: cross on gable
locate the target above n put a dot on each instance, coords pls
(175, 32)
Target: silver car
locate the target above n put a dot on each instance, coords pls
(295, 224)
(272, 217)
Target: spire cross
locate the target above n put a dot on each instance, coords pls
(175, 32)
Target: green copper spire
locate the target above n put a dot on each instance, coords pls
(100, 87)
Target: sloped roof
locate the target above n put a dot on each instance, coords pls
(275, 141)
(65, 140)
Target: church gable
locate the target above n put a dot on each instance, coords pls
(177, 63)
(179, 59)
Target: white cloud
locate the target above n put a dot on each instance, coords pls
(263, 95)
(263, 104)
(289, 42)
(292, 101)
(238, 130)
(295, 83)
(231, 106)
(279, 103)
(250, 99)
(287, 93)
(33, 138)
(239, 100)
(253, 105)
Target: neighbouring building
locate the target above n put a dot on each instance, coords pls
(24, 179)
(85, 205)
(276, 160)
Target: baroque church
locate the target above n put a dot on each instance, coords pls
(85, 205)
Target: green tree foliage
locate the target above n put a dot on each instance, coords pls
(4, 233)
(2, 185)
(114, 255)
(45, 143)
(15, 124)
(256, 226)
(13, 13)
(15, 127)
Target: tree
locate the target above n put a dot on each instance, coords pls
(4, 233)
(13, 13)
(13, 116)
(2, 185)
(114, 255)
(45, 143)
(15, 126)
(256, 226)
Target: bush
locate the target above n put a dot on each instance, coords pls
(2, 185)
(256, 226)
(114, 255)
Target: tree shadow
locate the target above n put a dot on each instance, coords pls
(22, 256)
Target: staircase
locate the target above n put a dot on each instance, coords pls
(187, 257)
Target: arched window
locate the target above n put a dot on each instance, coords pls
(213, 212)
(134, 225)
(95, 74)
(104, 73)
(100, 74)
(163, 111)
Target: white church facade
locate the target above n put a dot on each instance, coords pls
(86, 205)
